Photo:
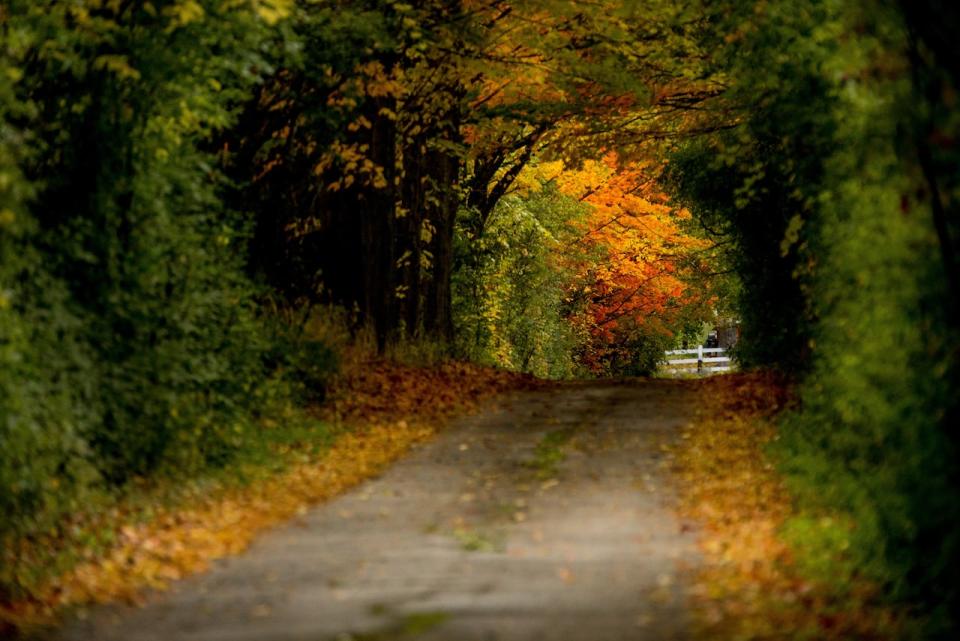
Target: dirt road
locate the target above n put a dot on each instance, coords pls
(548, 518)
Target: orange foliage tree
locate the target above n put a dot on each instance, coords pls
(630, 267)
(639, 264)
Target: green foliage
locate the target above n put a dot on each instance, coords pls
(130, 339)
(756, 185)
(511, 290)
(885, 346)
(825, 190)
(644, 351)
(305, 362)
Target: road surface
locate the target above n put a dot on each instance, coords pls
(546, 518)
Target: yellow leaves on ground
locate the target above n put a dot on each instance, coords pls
(387, 407)
(750, 589)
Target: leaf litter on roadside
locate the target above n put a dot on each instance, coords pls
(385, 408)
(751, 588)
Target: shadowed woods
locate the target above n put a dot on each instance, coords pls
(252, 253)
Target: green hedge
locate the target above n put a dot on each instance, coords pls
(131, 341)
(824, 188)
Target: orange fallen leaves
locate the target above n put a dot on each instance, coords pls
(751, 588)
(389, 408)
(383, 391)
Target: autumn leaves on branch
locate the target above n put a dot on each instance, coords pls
(363, 156)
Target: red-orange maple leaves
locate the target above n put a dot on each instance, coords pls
(640, 249)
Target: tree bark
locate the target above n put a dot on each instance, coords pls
(377, 229)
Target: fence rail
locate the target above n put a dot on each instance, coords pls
(704, 364)
(697, 350)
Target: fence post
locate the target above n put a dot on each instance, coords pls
(699, 359)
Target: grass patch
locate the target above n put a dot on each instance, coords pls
(408, 626)
(473, 541)
(550, 453)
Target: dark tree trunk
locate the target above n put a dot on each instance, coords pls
(444, 165)
(439, 300)
(377, 231)
(414, 202)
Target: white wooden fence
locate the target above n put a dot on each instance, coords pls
(699, 360)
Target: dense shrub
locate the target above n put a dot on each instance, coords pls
(840, 199)
(875, 437)
(130, 340)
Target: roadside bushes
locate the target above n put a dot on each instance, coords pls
(871, 440)
(301, 359)
(876, 436)
(841, 186)
(131, 341)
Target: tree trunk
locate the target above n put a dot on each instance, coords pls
(439, 311)
(377, 229)
(415, 170)
(442, 207)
